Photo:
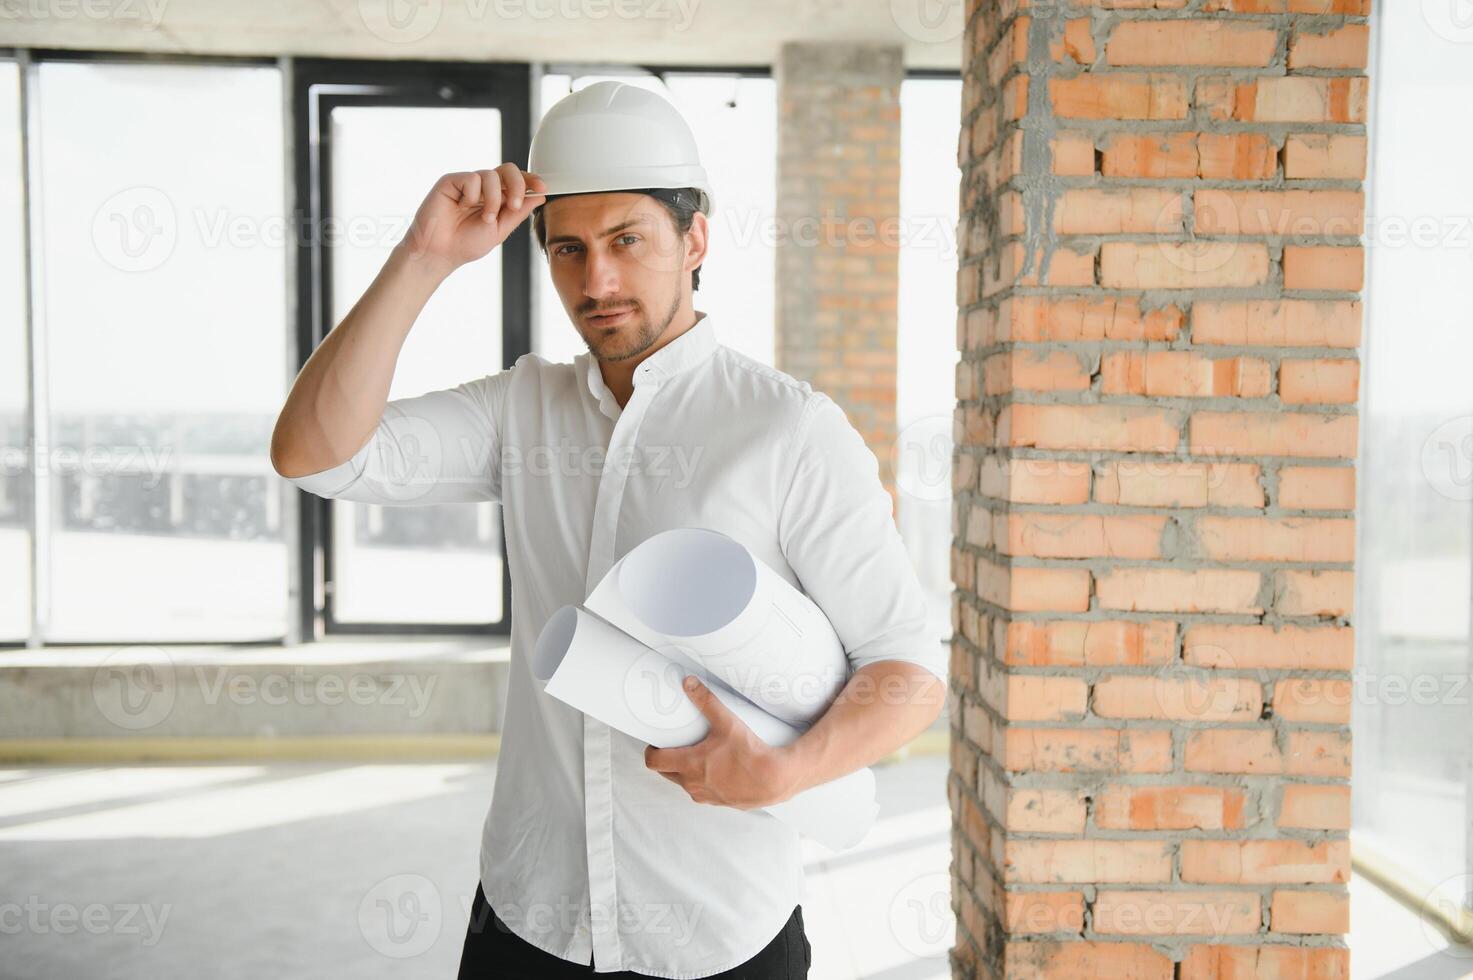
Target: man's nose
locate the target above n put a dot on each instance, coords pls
(600, 276)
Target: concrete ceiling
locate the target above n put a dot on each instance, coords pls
(669, 32)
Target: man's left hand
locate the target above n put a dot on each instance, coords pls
(731, 766)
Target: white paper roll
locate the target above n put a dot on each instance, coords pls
(701, 597)
(607, 674)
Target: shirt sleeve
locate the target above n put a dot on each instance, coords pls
(441, 447)
(837, 530)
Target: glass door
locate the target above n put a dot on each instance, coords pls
(380, 137)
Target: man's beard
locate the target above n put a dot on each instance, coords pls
(645, 335)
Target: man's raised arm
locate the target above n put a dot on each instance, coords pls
(338, 408)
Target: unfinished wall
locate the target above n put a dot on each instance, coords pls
(1155, 484)
(838, 247)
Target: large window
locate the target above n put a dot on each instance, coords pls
(15, 468)
(1412, 713)
(162, 307)
(927, 350)
(438, 564)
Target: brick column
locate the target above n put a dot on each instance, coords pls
(1159, 322)
(838, 205)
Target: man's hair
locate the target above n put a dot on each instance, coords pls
(681, 205)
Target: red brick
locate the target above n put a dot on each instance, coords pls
(1041, 862)
(1118, 210)
(1039, 319)
(1123, 807)
(1325, 156)
(1094, 427)
(1216, 698)
(1343, 47)
(1257, 862)
(1277, 539)
(1183, 374)
(1314, 593)
(1325, 381)
(1333, 267)
(1158, 483)
(1312, 806)
(1196, 912)
(1248, 647)
(1150, 155)
(1236, 156)
(1097, 960)
(1277, 323)
(1317, 487)
(1032, 589)
(1119, 96)
(1045, 811)
(1073, 643)
(1272, 434)
(1292, 98)
(1034, 481)
(1296, 214)
(1159, 43)
(1073, 154)
(1055, 535)
(1179, 590)
(1182, 265)
(1085, 750)
(1275, 962)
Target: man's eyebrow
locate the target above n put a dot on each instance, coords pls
(559, 239)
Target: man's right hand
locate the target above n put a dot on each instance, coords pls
(466, 215)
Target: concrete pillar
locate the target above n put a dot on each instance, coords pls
(1159, 294)
(838, 178)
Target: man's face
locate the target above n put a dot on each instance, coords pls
(617, 253)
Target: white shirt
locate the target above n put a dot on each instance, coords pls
(586, 852)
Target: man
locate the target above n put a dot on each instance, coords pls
(601, 854)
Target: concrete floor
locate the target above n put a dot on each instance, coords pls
(318, 870)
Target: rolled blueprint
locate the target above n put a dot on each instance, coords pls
(702, 598)
(611, 676)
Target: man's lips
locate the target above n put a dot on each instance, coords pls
(601, 317)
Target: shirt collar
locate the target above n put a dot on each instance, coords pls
(685, 351)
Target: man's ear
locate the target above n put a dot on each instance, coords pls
(697, 240)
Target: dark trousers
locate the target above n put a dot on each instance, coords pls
(492, 950)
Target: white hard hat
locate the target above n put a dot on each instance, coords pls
(611, 136)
